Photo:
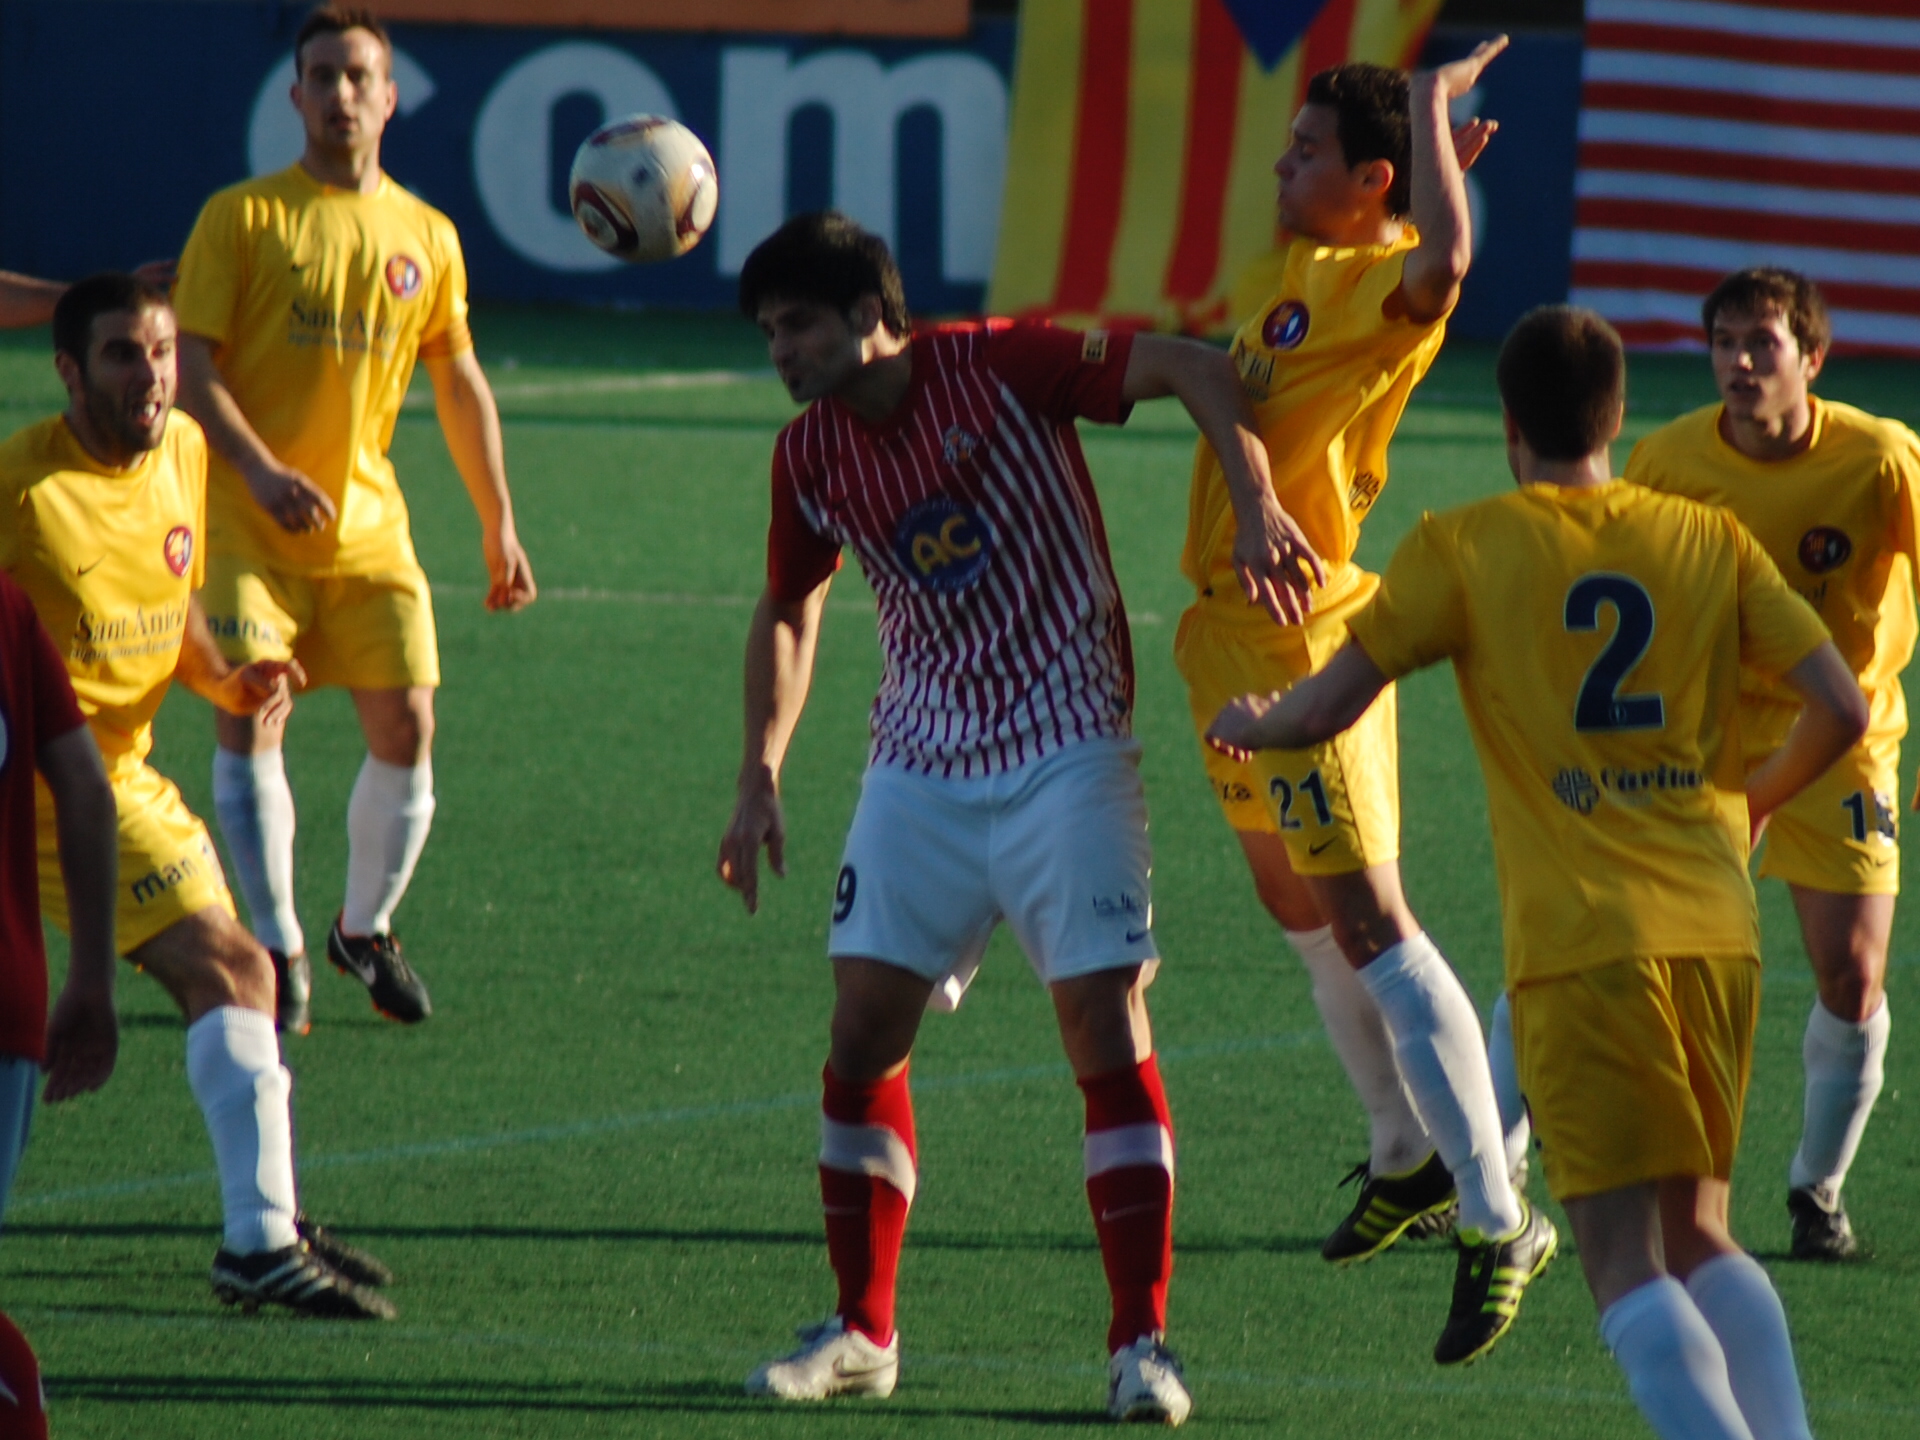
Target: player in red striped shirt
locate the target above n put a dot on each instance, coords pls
(1003, 779)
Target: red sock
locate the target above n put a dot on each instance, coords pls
(23, 1414)
(867, 1161)
(1130, 1188)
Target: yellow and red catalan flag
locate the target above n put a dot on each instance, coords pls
(1140, 161)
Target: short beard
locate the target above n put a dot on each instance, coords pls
(113, 424)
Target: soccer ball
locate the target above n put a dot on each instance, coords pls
(643, 188)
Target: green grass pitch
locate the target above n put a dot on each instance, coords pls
(593, 1169)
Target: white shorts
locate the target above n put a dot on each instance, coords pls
(1058, 847)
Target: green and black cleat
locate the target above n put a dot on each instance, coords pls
(1388, 1206)
(1488, 1284)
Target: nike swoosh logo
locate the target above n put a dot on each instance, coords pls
(1316, 849)
(852, 1372)
(1133, 935)
(1128, 1210)
(80, 570)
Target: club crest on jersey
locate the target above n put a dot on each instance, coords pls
(958, 445)
(943, 544)
(179, 549)
(1824, 548)
(1285, 325)
(1574, 788)
(403, 277)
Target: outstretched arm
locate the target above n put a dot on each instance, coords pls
(83, 1032)
(1316, 709)
(1442, 155)
(26, 301)
(263, 689)
(295, 502)
(1832, 719)
(1276, 564)
(779, 669)
(471, 422)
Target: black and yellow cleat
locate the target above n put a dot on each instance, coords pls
(1488, 1285)
(1387, 1207)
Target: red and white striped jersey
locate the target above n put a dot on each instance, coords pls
(972, 513)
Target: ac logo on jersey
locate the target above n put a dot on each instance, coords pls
(958, 446)
(403, 277)
(179, 549)
(1824, 548)
(1285, 326)
(943, 544)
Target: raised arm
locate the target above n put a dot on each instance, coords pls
(779, 669)
(26, 301)
(264, 688)
(1316, 709)
(471, 422)
(1442, 155)
(83, 1032)
(1271, 554)
(1832, 719)
(295, 502)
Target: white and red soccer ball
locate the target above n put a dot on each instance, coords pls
(643, 188)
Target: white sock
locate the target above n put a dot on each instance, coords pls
(1506, 1085)
(388, 817)
(1443, 1057)
(1845, 1066)
(233, 1065)
(1359, 1037)
(1744, 1311)
(255, 805)
(1676, 1370)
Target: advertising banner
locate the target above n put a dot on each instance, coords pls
(118, 119)
(803, 17)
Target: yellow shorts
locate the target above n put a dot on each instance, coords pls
(1337, 805)
(1637, 1071)
(1842, 833)
(365, 632)
(168, 868)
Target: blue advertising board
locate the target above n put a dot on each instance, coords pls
(119, 117)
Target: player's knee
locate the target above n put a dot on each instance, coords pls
(245, 968)
(1852, 993)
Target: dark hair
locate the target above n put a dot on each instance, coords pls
(84, 302)
(824, 257)
(1766, 288)
(1375, 120)
(1563, 379)
(337, 20)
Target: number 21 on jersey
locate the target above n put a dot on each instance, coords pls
(1601, 706)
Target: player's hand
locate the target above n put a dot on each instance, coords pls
(83, 1040)
(263, 689)
(158, 273)
(295, 502)
(1470, 139)
(1235, 731)
(757, 821)
(1457, 77)
(1276, 563)
(509, 573)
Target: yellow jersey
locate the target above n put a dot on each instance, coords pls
(1329, 370)
(1838, 521)
(318, 301)
(1597, 637)
(109, 559)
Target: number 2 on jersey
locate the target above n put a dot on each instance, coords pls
(1601, 706)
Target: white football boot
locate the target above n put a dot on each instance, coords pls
(833, 1360)
(1144, 1383)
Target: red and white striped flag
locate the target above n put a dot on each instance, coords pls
(1715, 136)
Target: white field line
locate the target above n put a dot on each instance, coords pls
(422, 398)
(618, 1124)
(676, 599)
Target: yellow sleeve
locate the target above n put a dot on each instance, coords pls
(1777, 628)
(1904, 462)
(446, 333)
(1639, 464)
(1419, 614)
(213, 271)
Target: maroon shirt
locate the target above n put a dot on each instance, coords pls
(36, 705)
(972, 513)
